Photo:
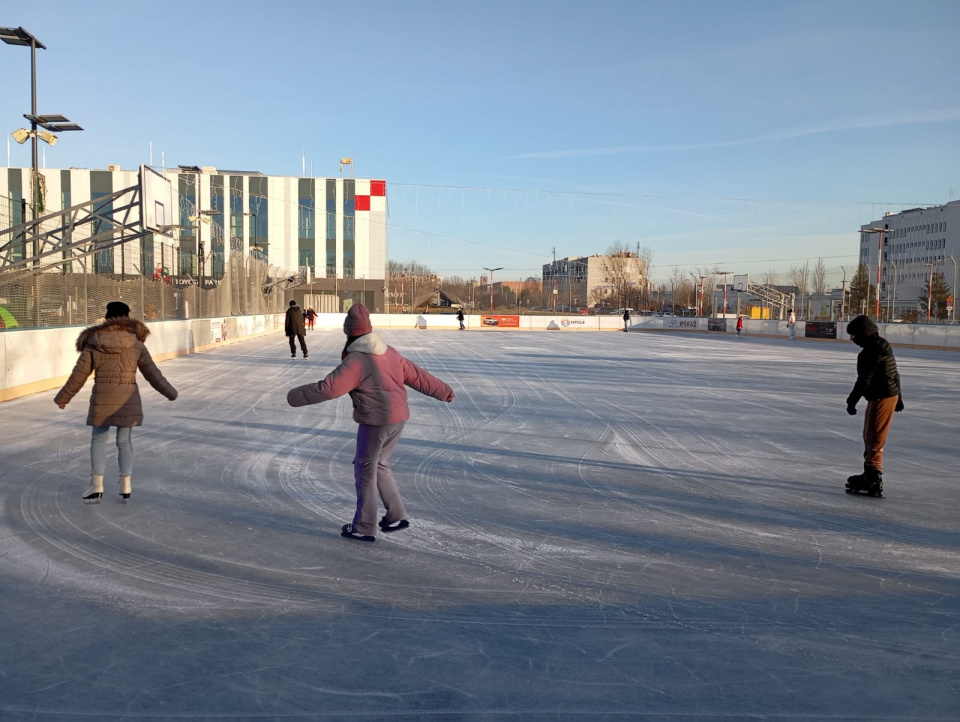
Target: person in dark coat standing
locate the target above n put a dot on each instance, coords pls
(376, 376)
(626, 320)
(878, 381)
(294, 328)
(460, 319)
(113, 352)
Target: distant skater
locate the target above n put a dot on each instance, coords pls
(626, 320)
(376, 376)
(460, 319)
(113, 352)
(311, 318)
(878, 381)
(792, 325)
(294, 328)
(739, 325)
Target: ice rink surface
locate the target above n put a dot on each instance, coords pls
(603, 526)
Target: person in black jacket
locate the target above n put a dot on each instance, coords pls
(294, 327)
(878, 381)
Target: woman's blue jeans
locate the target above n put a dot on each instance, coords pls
(98, 449)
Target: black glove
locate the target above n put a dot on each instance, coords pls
(851, 409)
(899, 404)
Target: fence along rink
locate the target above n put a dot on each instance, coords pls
(63, 268)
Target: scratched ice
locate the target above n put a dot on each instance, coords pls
(603, 526)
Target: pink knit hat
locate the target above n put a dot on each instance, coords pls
(357, 322)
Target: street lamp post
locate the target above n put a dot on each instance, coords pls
(725, 273)
(256, 222)
(498, 268)
(892, 303)
(953, 290)
(52, 123)
(702, 278)
(880, 232)
(843, 292)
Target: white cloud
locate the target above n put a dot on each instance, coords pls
(948, 115)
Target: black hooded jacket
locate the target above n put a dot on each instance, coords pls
(877, 375)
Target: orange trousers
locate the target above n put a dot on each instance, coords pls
(876, 425)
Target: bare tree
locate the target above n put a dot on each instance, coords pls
(770, 278)
(410, 279)
(682, 287)
(622, 270)
(800, 277)
(820, 277)
(646, 269)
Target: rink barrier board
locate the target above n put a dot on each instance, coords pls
(37, 360)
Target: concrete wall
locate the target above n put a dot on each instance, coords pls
(34, 360)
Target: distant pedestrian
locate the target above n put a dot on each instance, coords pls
(294, 328)
(311, 318)
(792, 325)
(376, 376)
(113, 352)
(739, 325)
(460, 319)
(626, 320)
(878, 381)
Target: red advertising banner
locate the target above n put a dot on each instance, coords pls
(500, 321)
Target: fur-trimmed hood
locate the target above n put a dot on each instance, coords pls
(108, 336)
(369, 343)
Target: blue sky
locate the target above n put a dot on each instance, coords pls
(751, 135)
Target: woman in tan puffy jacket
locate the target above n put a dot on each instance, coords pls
(113, 351)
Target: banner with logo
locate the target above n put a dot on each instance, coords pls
(500, 321)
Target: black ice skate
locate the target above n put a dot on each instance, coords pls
(870, 482)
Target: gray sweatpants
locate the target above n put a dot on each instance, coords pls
(371, 470)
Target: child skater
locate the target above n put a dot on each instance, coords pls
(376, 376)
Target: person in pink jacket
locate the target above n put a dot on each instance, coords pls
(376, 376)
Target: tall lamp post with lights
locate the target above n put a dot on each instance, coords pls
(498, 268)
(879, 232)
(725, 274)
(51, 123)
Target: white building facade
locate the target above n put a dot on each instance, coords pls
(915, 243)
(336, 227)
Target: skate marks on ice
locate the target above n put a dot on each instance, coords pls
(597, 529)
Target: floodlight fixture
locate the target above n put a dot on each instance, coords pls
(21, 135)
(19, 36)
(54, 123)
(48, 138)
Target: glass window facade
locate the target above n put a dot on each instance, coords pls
(258, 204)
(215, 266)
(101, 184)
(18, 210)
(349, 228)
(307, 224)
(65, 203)
(331, 229)
(236, 207)
(187, 184)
